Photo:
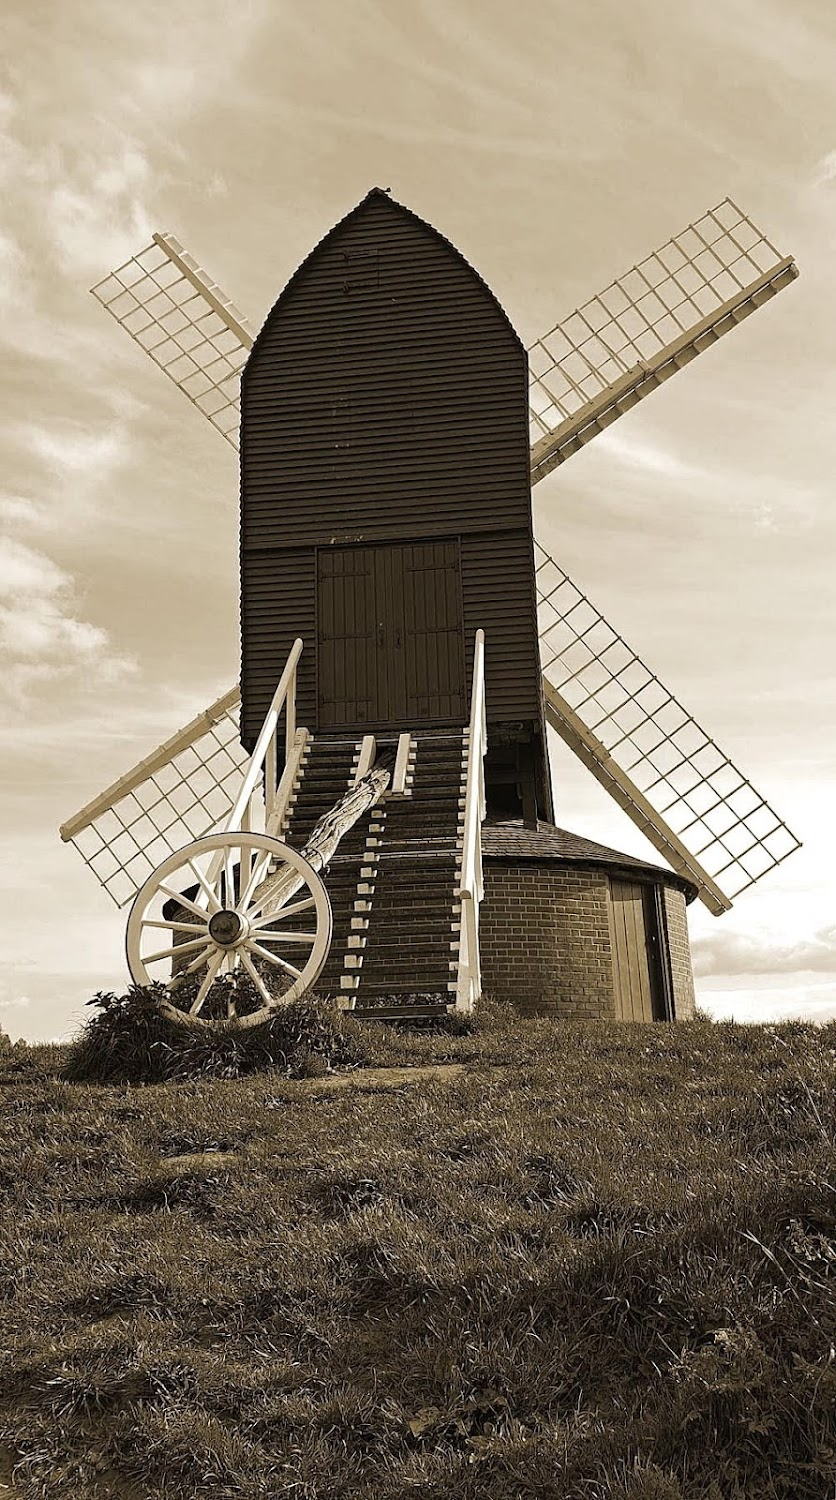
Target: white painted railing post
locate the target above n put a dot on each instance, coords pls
(287, 682)
(469, 983)
(263, 758)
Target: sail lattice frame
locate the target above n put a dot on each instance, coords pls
(695, 789)
(188, 326)
(179, 793)
(663, 298)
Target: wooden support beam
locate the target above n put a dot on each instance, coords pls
(598, 760)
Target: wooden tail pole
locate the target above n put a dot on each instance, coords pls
(276, 890)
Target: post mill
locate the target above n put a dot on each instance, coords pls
(405, 641)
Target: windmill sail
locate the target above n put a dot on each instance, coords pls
(179, 792)
(671, 778)
(647, 324)
(188, 326)
(583, 374)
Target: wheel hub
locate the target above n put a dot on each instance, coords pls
(226, 928)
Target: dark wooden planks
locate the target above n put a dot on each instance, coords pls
(386, 401)
(278, 603)
(389, 641)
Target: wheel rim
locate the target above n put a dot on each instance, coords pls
(199, 918)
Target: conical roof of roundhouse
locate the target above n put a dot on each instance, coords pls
(512, 842)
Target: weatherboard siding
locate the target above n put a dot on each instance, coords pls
(385, 401)
(277, 605)
(499, 598)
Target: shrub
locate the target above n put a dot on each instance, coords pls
(130, 1041)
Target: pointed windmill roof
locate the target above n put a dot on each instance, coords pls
(383, 196)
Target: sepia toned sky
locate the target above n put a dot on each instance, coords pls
(555, 143)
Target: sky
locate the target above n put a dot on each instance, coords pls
(554, 143)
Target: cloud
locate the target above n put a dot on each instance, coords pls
(824, 170)
(651, 457)
(95, 215)
(815, 1002)
(17, 510)
(11, 268)
(41, 635)
(74, 450)
(739, 953)
(770, 502)
(78, 465)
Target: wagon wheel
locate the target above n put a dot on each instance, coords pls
(204, 913)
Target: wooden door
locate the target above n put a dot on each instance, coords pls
(636, 955)
(390, 646)
(346, 636)
(434, 633)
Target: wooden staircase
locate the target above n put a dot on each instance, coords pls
(393, 881)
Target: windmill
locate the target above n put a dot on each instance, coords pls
(715, 831)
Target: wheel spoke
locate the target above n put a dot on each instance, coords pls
(228, 886)
(256, 876)
(279, 911)
(178, 949)
(256, 977)
(273, 958)
(214, 903)
(286, 911)
(214, 965)
(175, 926)
(202, 958)
(245, 868)
(199, 911)
(265, 935)
(237, 870)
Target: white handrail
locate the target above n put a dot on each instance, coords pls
(469, 983)
(267, 742)
(264, 756)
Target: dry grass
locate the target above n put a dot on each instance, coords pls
(605, 1269)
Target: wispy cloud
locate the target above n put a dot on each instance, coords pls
(97, 215)
(824, 170)
(41, 634)
(651, 457)
(771, 502)
(73, 449)
(740, 953)
(70, 467)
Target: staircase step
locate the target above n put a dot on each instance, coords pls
(390, 992)
(399, 1013)
(408, 979)
(399, 897)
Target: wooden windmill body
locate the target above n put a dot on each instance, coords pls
(387, 409)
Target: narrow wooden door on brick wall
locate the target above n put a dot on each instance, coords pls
(390, 647)
(636, 955)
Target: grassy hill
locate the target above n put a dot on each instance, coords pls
(592, 1261)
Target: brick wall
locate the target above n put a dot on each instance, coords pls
(680, 951)
(545, 940)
